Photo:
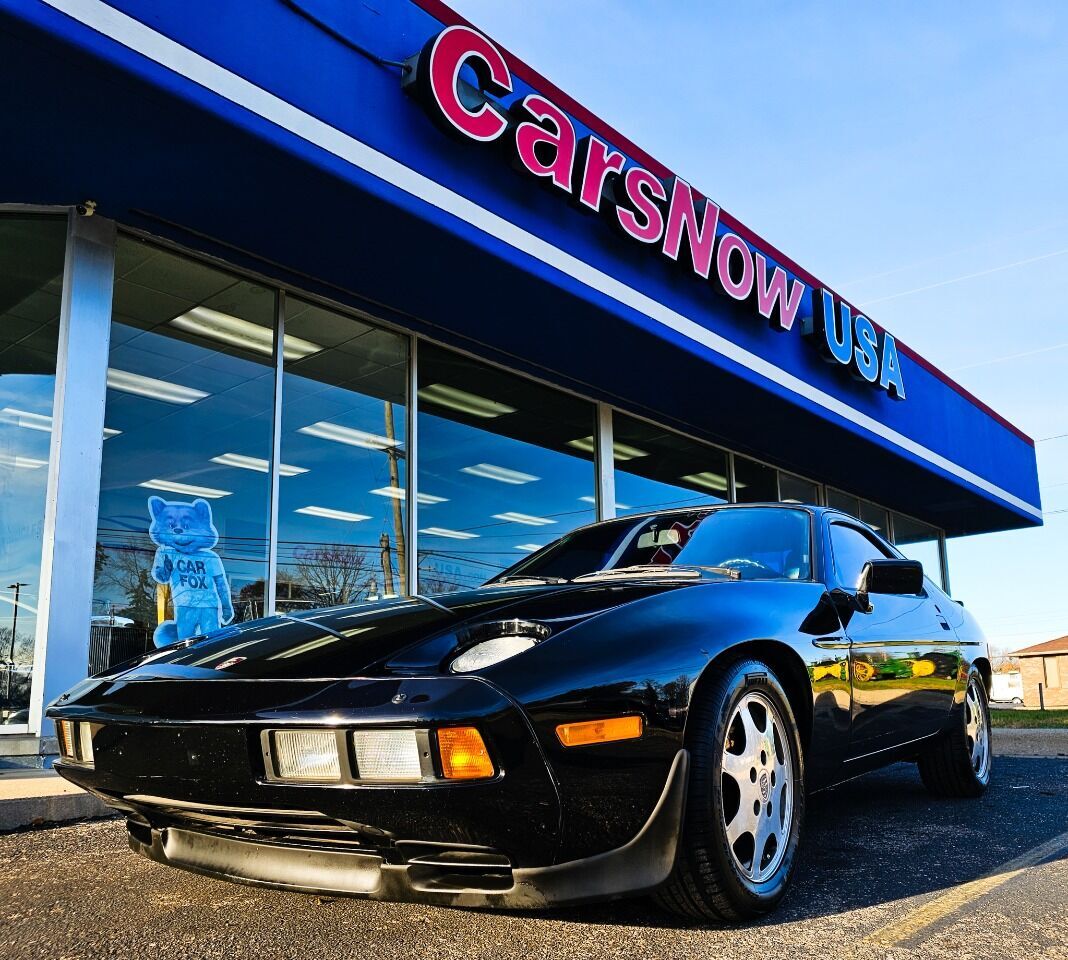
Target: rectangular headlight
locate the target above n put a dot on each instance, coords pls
(388, 755)
(75, 741)
(85, 743)
(307, 755)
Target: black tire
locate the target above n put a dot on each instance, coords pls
(948, 767)
(707, 883)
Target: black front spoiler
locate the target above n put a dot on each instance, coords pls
(636, 867)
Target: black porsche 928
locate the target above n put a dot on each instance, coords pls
(641, 706)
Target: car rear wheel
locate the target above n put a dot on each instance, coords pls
(746, 799)
(958, 764)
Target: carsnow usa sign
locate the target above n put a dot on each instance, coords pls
(667, 217)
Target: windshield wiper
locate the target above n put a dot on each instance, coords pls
(667, 570)
(521, 580)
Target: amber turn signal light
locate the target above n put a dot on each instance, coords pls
(463, 754)
(599, 731)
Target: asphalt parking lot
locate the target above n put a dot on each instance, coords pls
(887, 872)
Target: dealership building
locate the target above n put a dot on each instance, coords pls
(358, 292)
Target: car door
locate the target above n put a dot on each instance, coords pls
(904, 655)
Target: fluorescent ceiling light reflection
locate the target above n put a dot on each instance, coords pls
(354, 438)
(150, 387)
(189, 489)
(528, 547)
(621, 451)
(399, 493)
(242, 333)
(708, 480)
(472, 404)
(524, 518)
(449, 534)
(501, 474)
(23, 463)
(27, 420)
(38, 421)
(255, 463)
(593, 500)
(327, 514)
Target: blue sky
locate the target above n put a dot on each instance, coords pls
(910, 154)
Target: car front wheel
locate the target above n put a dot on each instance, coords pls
(746, 799)
(958, 763)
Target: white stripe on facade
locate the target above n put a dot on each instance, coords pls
(162, 50)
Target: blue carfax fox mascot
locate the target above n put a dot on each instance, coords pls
(185, 561)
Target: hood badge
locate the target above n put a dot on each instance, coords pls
(232, 662)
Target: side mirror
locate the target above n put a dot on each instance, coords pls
(895, 577)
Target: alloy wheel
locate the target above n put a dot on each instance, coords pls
(758, 787)
(977, 730)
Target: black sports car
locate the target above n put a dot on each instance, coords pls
(642, 705)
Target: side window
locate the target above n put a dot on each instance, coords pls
(852, 548)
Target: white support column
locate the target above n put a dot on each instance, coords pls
(411, 447)
(605, 465)
(61, 650)
(943, 556)
(270, 593)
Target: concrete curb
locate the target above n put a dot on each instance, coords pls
(23, 812)
(1030, 742)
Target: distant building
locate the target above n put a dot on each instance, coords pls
(1046, 664)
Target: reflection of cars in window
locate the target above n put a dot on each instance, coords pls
(642, 705)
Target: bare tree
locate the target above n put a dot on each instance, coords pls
(129, 569)
(333, 572)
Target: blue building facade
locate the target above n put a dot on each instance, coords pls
(370, 306)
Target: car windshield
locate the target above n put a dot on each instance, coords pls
(746, 543)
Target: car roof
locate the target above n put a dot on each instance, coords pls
(711, 507)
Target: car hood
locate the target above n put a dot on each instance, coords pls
(408, 636)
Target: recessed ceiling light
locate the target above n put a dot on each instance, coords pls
(708, 480)
(442, 395)
(38, 421)
(23, 463)
(327, 514)
(189, 489)
(399, 493)
(501, 474)
(449, 534)
(255, 463)
(621, 451)
(242, 333)
(528, 547)
(27, 420)
(524, 518)
(152, 388)
(354, 438)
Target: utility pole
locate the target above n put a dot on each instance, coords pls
(16, 586)
(387, 565)
(394, 452)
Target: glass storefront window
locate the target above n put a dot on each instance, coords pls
(657, 469)
(184, 492)
(872, 514)
(755, 482)
(919, 541)
(797, 489)
(342, 487)
(31, 281)
(505, 466)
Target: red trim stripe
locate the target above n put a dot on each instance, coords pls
(445, 15)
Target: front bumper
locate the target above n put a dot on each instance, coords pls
(215, 842)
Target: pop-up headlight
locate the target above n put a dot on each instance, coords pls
(493, 642)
